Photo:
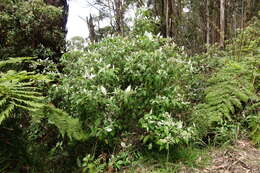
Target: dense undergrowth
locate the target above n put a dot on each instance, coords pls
(125, 99)
(232, 92)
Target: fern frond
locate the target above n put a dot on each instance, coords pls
(15, 60)
(66, 124)
(229, 90)
(17, 91)
(7, 112)
(27, 95)
(27, 108)
(3, 101)
(253, 113)
(33, 104)
(23, 92)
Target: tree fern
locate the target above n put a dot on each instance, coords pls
(19, 91)
(16, 91)
(66, 124)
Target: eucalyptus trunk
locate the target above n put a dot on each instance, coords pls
(222, 23)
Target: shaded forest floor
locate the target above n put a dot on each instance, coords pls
(242, 157)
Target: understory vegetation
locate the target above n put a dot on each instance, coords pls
(129, 101)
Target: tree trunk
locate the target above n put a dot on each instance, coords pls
(166, 9)
(91, 27)
(222, 23)
(119, 15)
(208, 23)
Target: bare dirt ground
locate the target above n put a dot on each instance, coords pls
(243, 157)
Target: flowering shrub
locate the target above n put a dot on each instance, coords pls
(113, 85)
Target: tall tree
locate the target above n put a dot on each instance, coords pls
(222, 23)
(91, 27)
(208, 22)
(119, 11)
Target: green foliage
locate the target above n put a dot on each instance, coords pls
(18, 92)
(247, 42)
(184, 155)
(145, 22)
(92, 165)
(21, 100)
(66, 124)
(30, 28)
(226, 133)
(228, 91)
(232, 89)
(164, 130)
(121, 159)
(116, 162)
(253, 120)
(122, 95)
(115, 83)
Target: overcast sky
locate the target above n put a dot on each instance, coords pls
(76, 26)
(79, 9)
